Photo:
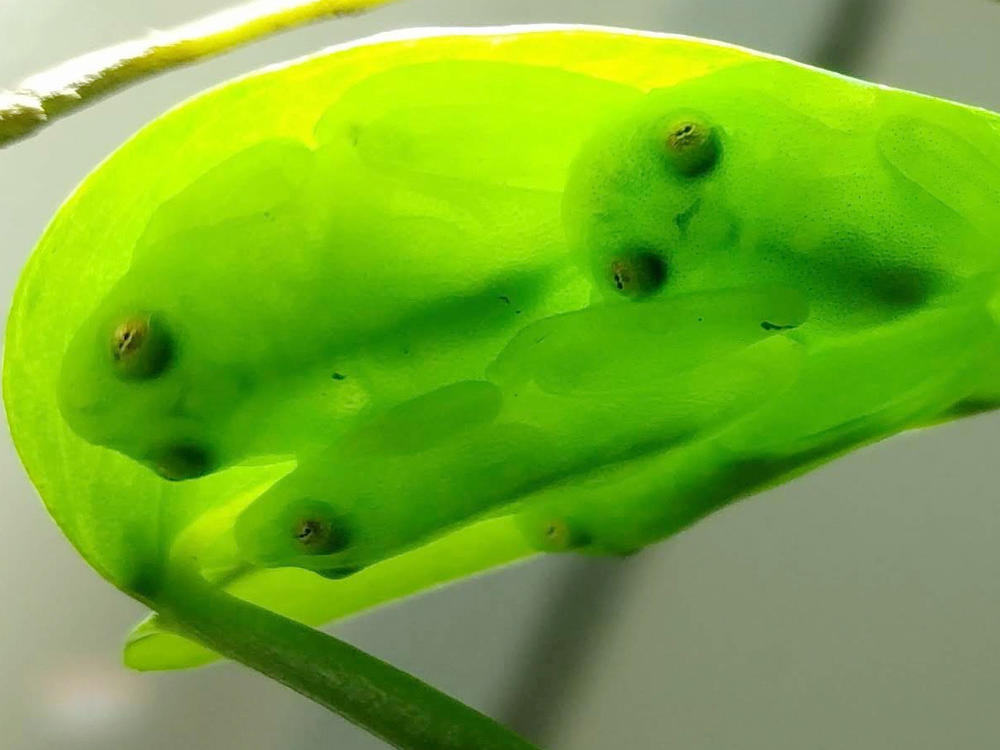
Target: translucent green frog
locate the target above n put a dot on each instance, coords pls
(506, 295)
(760, 268)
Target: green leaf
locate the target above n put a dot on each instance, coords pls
(312, 599)
(125, 520)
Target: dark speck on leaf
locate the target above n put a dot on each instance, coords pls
(338, 376)
(768, 326)
(505, 298)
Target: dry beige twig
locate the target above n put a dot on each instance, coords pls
(77, 82)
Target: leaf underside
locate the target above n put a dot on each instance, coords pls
(120, 516)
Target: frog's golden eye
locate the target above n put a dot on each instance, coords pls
(319, 533)
(638, 274)
(181, 461)
(559, 535)
(140, 347)
(692, 145)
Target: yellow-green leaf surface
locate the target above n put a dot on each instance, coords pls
(125, 520)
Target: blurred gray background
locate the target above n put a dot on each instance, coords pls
(856, 607)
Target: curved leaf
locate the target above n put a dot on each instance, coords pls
(123, 518)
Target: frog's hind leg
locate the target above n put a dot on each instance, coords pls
(846, 393)
(479, 447)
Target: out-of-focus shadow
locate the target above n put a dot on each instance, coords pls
(851, 34)
(588, 595)
(586, 599)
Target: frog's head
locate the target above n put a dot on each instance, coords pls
(166, 369)
(302, 521)
(130, 382)
(636, 199)
(159, 369)
(744, 177)
(184, 365)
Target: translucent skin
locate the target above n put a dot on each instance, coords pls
(302, 286)
(744, 275)
(873, 202)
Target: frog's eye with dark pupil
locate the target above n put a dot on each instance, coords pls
(140, 347)
(562, 535)
(692, 146)
(638, 274)
(319, 536)
(308, 531)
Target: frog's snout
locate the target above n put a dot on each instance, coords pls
(117, 389)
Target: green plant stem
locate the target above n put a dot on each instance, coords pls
(80, 81)
(386, 701)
